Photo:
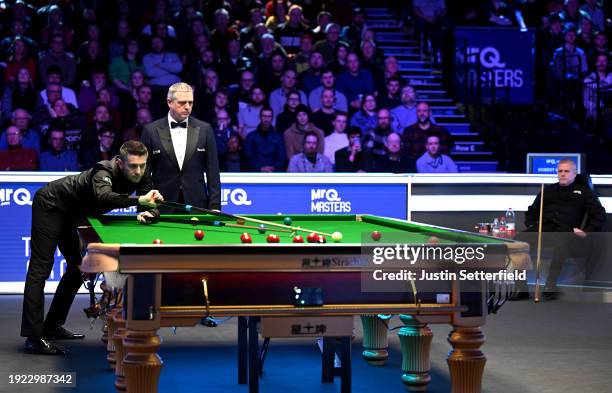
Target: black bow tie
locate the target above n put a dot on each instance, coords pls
(174, 124)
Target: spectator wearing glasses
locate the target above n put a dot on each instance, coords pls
(103, 150)
(16, 157)
(30, 138)
(54, 76)
(287, 117)
(278, 97)
(57, 158)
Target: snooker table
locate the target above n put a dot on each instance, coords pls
(182, 280)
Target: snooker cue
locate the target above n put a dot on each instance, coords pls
(536, 296)
(189, 208)
(212, 223)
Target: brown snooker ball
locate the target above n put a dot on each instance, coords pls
(158, 241)
(376, 235)
(199, 234)
(272, 238)
(246, 238)
(298, 239)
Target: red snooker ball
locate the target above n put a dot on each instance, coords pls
(376, 236)
(272, 238)
(433, 240)
(157, 241)
(298, 239)
(246, 238)
(199, 234)
(321, 239)
(312, 237)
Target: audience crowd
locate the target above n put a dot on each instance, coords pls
(296, 86)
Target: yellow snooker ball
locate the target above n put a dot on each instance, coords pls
(336, 237)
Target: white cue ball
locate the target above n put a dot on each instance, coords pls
(336, 237)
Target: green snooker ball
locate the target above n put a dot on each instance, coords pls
(287, 220)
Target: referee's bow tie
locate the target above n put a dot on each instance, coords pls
(174, 124)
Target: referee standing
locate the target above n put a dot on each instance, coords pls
(55, 211)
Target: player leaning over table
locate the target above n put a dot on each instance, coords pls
(55, 210)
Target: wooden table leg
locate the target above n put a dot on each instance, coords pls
(120, 333)
(375, 340)
(466, 361)
(141, 364)
(111, 328)
(415, 340)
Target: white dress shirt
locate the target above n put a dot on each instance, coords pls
(179, 140)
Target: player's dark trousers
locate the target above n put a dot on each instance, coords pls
(563, 245)
(51, 228)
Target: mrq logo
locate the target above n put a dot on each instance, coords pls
(494, 69)
(235, 196)
(327, 200)
(19, 196)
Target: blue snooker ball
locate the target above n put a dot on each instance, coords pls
(262, 229)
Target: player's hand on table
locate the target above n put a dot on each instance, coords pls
(580, 233)
(145, 218)
(151, 199)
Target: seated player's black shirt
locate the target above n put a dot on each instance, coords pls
(565, 207)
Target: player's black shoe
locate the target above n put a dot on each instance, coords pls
(58, 332)
(42, 346)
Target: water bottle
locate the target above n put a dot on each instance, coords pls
(510, 223)
(495, 228)
(502, 226)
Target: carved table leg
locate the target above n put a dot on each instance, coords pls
(375, 340)
(466, 361)
(111, 328)
(142, 364)
(415, 340)
(120, 333)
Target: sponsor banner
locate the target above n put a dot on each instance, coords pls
(497, 61)
(380, 199)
